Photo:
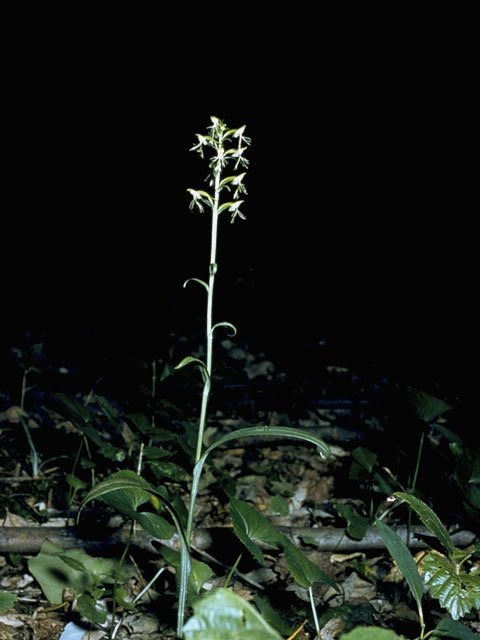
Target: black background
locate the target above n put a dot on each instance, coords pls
(359, 222)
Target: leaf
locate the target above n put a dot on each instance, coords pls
(365, 458)
(169, 470)
(53, 575)
(305, 572)
(288, 432)
(200, 573)
(225, 324)
(204, 284)
(402, 556)
(429, 519)
(370, 633)
(221, 614)
(155, 525)
(7, 600)
(427, 406)
(279, 505)
(272, 616)
(250, 526)
(356, 524)
(125, 491)
(91, 609)
(126, 481)
(457, 591)
(453, 630)
(75, 482)
(109, 411)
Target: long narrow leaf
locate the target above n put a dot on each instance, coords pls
(429, 519)
(402, 556)
(286, 432)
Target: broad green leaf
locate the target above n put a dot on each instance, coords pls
(272, 616)
(356, 524)
(91, 609)
(53, 575)
(457, 591)
(303, 570)
(155, 525)
(427, 406)
(453, 630)
(125, 491)
(370, 633)
(7, 600)
(365, 458)
(402, 556)
(429, 519)
(250, 527)
(221, 614)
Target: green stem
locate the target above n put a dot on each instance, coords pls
(314, 611)
(414, 484)
(209, 334)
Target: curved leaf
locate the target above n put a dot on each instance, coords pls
(429, 519)
(224, 324)
(191, 360)
(202, 282)
(287, 432)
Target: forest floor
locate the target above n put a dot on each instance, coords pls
(359, 411)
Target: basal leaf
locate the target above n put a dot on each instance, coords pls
(429, 519)
(305, 572)
(402, 556)
(457, 591)
(221, 614)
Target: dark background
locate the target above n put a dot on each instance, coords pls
(359, 223)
